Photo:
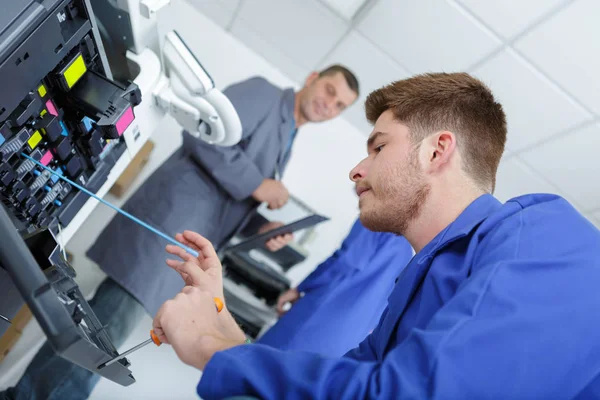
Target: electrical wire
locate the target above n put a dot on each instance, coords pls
(117, 209)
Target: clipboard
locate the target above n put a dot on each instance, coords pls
(258, 240)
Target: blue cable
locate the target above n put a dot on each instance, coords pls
(117, 209)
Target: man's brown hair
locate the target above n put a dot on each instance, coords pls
(455, 102)
(348, 76)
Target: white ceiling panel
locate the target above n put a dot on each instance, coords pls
(515, 178)
(345, 8)
(567, 48)
(510, 17)
(220, 11)
(373, 68)
(535, 108)
(571, 163)
(285, 64)
(305, 31)
(229, 4)
(427, 35)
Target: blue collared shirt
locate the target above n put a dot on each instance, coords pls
(359, 277)
(503, 303)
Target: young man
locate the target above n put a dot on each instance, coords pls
(498, 302)
(207, 188)
(359, 276)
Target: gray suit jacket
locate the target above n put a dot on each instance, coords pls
(202, 188)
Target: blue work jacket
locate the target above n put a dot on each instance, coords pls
(503, 304)
(344, 296)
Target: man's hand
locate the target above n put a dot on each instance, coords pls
(190, 323)
(291, 296)
(204, 272)
(271, 192)
(278, 242)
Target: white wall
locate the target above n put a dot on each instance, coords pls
(323, 154)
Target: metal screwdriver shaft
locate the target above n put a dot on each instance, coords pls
(153, 339)
(139, 346)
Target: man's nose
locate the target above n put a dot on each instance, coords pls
(330, 105)
(359, 172)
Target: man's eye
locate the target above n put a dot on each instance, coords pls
(378, 148)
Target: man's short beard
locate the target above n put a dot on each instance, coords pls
(396, 217)
(400, 200)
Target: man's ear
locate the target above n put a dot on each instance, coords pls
(311, 78)
(439, 149)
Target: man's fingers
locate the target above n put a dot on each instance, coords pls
(204, 246)
(280, 304)
(174, 264)
(181, 239)
(275, 204)
(179, 252)
(157, 324)
(275, 243)
(189, 271)
(285, 307)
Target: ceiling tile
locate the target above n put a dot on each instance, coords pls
(373, 68)
(356, 116)
(535, 108)
(427, 35)
(229, 4)
(347, 9)
(515, 178)
(285, 64)
(566, 48)
(509, 17)
(305, 31)
(571, 163)
(225, 57)
(219, 11)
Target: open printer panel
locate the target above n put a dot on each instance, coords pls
(60, 107)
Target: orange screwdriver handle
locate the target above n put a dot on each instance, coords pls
(219, 304)
(155, 338)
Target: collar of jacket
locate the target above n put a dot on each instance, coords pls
(288, 100)
(467, 221)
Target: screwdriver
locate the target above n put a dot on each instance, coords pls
(153, 339)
